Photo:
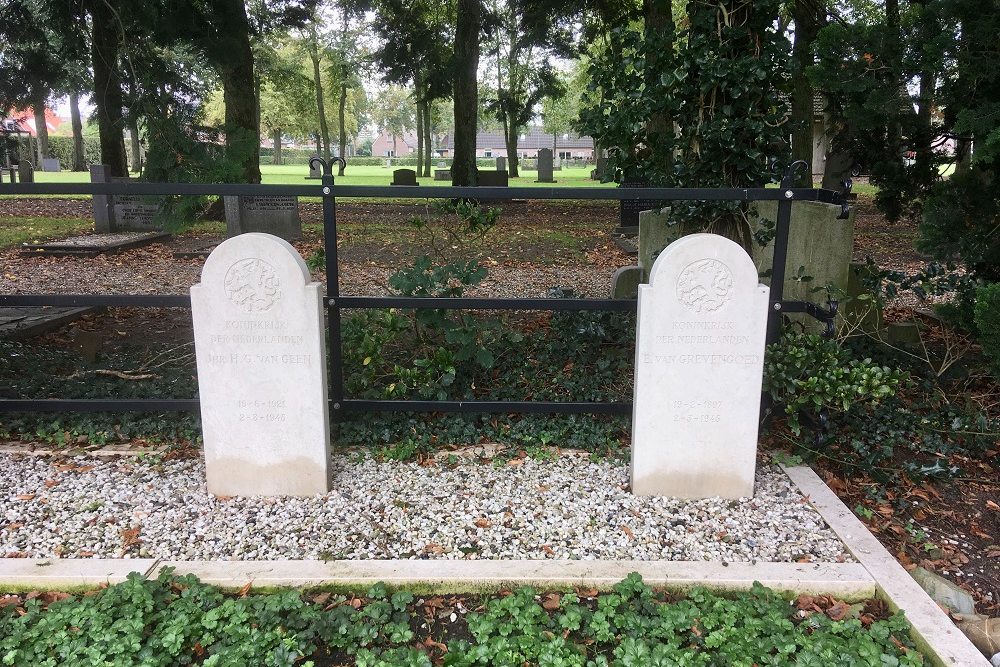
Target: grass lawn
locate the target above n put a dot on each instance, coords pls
(356, 175)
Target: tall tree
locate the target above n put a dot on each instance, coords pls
(807, 15)
(525, 37)
(466, 90)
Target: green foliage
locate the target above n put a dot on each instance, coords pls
(806, 373)
(32, 370)
(987, 316)
(62, 148)
(177, 620)
(960, 223)
(720, 81)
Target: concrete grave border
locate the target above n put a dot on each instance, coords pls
(876, 574)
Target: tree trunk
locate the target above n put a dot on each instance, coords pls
(41, 129)
(342, 139)
(238, 90)
(466, 91)
(420, 122)
(108, 94)
(806, 27)
(659, 19)
(924, 137)
(79, 159)
(324, 129)
(133, 132)
(513, 161)
(895, 58)
(427, 137)
(277, 147)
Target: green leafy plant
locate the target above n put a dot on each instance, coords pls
(806, 373)
(987, 318)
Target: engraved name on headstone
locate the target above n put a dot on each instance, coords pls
(698, 366)
(277, 215)
(261, 357)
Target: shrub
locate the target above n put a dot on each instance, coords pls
(807, 374)
(987, 317)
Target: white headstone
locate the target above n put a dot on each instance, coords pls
(699, 360)
(258, 331)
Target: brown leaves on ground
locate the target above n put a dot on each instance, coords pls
(551, 601)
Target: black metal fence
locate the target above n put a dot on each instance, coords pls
(329, 192)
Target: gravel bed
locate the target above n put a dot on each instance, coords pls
(567, 508)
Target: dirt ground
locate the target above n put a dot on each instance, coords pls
(536, 246)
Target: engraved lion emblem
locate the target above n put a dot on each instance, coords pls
(252, 285)
(705, 286)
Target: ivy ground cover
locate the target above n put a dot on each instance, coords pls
(176, 620)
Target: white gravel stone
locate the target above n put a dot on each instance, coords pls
(565, 508)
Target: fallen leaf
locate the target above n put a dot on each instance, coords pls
(245, 590)
(515, 462)
(49, 483)
(434, 548)
(992, 505)
(26, 496)
(838, 611)
(321, 599)
(483, 523)
(13, 526)
(551, 602)
(548, 550)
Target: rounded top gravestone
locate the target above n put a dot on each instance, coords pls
(259, 344)
(698, 368)
(253, 267)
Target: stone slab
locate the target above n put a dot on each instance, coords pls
(625, 282)
(277, 215)
(934, 633)
(94, 244)
(51, 164)
(28, 321)
(846, 580)
(261, 358)
(25, 574)
(698, 366)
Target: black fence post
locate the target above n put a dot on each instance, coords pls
(336, 352)
(774, 314)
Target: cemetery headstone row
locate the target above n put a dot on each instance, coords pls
(261, 361)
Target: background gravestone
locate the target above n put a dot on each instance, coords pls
(315, 169)
(121, 213)
(277, 215)
(501, 164)
(629, 209)
(261, 357)
(818, 242)
(26, 171)
(493, 178)
(404, 177)
(51, 164)
(545, 166)
(699, 362)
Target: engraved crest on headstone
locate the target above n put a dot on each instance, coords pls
(705, 285)
(253, 285)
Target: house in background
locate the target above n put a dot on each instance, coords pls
(532, 139)
(387, 144)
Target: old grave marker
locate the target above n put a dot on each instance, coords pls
(545, 166)
(261, 356)
(404, 177)
(277, 215)
(699, 361)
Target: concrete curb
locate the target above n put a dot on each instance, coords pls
(848, 580)
(934, 633)
(21, 574)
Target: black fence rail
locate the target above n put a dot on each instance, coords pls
(328, 192)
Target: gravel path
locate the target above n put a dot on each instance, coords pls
(567, 508)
